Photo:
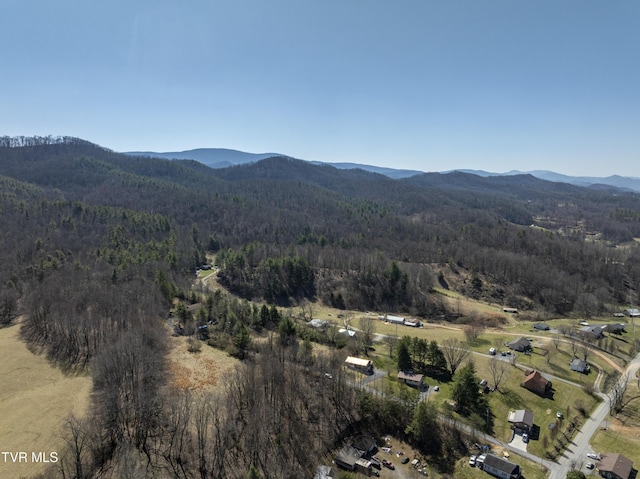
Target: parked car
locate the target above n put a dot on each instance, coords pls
(472, 461)
(503, 353)
(376, 463)
(595, 457)
(388, 464)
(405, 459)
(436, 388)
(492, 351)
(590, 465)
(525, 437)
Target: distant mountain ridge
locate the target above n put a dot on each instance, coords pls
(218, 158)
(213, 157)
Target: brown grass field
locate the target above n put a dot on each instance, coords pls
(201, 371)
(35, 399)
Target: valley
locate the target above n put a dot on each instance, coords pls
(221, 375)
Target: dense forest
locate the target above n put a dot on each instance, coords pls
(97, 247)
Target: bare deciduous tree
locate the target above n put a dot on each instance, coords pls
(472, 332)
(391, 341)
(454, 353)
(498, 368)
(616, 395)
(367, 329)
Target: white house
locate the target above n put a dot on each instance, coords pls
(500, 467)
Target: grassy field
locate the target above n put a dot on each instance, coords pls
(201, 371)
(35, 398)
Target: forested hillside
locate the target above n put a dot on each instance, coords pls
(96, 246)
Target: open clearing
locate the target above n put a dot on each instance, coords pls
(35, 399)
(202, 371)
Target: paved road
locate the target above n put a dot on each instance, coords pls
(575, 456)
(576, 453)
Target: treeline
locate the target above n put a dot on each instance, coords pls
(27, 141)
(274, 416)
(353, 279)
(84, 275)
(336, 221)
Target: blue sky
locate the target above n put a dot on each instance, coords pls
(418, 84)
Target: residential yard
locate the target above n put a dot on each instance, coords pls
(530, 470)
(462, 469)
(35, 399)
(551, 356)
(568, 399)
(622, 434)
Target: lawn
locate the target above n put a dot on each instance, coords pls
(546, 357)
(512, 396)
(530, 469)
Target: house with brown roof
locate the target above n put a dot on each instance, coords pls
(536, 383)
(411, 379)
(615, 466)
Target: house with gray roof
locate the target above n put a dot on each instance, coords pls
(521, 419)
(500, 467)
(592, 332)
(579, 365)
(521, 344)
